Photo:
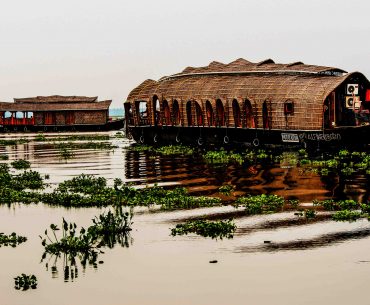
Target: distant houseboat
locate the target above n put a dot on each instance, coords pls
(56, 113)
(252, 103)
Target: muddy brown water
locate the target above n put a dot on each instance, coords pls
(316, 262)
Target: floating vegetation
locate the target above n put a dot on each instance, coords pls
(83, 245)
(343, 163)
(206, 228)
(165, 150)
(13, 188)
(86, 145)
(13, 142)
(71, 138)
(223, 157)
(65, 153)
(21, 164)
(112, 227)
(24, 282)
(40, 138)
(107, 230)
(175, 150)
(4, 157)
(83, 190)
(177, 198)
(307, 214)
(226, 189)
(333, 205)
(347, 215)
(261, 204)
(11, 240)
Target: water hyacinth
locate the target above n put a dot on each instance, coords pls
(261, 204)
(206, 228)
(11, 240)
(24, 282)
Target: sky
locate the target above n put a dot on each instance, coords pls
(107, 48)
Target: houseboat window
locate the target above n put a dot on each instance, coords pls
(248, 113)
(289, 107)
(157, 110)
(7, 114)
(176, 113)
(188, 113)
(166, 113)
(128, 114)
(209, 113)
(142, 112)
(236, 112)
(265, 116)
(199, 114)
(220, 113)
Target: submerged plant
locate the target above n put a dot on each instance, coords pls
(206, 228)
(11, 240)
(25, 282)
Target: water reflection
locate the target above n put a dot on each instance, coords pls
(324, 240)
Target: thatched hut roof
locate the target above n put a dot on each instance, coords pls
(241, 78)
(57, 99)
(56, 103)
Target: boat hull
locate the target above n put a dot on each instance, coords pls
(112, 125)
(256, 137)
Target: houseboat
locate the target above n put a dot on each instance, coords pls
(57, 113)
(252, 103)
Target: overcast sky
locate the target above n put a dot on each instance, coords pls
(106, 48)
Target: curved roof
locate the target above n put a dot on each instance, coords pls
(241, 78)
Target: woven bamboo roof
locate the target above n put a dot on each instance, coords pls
(55, 106)
(242, 78)
(57, 99)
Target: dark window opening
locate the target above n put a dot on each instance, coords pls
(209, 113)
(236, 113)
(166, 113)
(288, 107)
(176, 120)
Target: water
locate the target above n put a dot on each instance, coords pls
(320, 262)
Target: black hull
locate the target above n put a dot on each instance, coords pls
(113, 125)
(347, 136)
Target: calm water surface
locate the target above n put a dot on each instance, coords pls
(320, 262)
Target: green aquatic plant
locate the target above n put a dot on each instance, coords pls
(223, 157)
(25, 282)
(65, 152)
(337, 205)
(40, 137)
(21, 164)
(346, 215)
(4, 157)
(12, 142)
(175, 150)
(70, 242)
(226, 189)
(11, 240)
(112, 227)
(206, 228)
(261, 204)
(294, 203)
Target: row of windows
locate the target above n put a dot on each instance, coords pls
(243, 116)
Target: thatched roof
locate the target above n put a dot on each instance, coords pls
(241, 78)
(55, 106)
(57, 99)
